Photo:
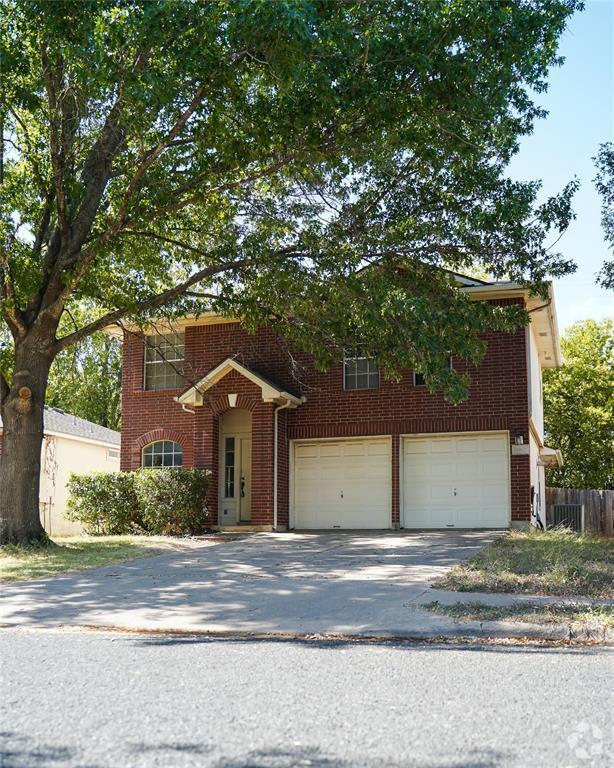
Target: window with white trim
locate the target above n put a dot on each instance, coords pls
(360, 372)
(164, 356)
(162, 453)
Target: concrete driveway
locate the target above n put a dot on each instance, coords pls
(350, 583)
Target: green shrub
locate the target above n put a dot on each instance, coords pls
(104, 503)
(173, 501)
(160, 501)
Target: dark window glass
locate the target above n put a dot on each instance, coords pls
(229, 467)
(419, 378)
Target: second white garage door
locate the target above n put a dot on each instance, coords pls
(456, 481)
(342, 484)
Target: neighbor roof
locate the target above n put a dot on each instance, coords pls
(58, 422)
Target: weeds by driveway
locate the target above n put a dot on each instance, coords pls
(598, 616)
(555, 562)
(78, 552)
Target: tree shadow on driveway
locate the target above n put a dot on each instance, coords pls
(294, 582)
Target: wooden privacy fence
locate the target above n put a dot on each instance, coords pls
(598, 507)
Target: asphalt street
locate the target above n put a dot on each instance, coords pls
(95, 700)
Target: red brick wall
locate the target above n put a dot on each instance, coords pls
(498, 401)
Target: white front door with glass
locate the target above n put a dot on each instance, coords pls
(236, 490)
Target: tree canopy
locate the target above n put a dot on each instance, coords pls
(307, 164)
(258, 154)
(579, 407)
(605, 186)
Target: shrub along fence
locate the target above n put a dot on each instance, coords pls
(598, 507)
(171, 502)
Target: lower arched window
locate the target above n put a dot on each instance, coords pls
(163, 453)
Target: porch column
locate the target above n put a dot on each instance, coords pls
(206, 450)
(262, 464)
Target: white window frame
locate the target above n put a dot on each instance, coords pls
(164, 453)
(373, 369)
(176, 363)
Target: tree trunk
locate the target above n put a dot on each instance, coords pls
(22, 417)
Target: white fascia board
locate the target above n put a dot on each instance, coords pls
(79, 439)
(170, 326)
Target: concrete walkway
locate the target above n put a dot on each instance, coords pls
(297, 583)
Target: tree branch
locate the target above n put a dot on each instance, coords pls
(4, 388)
(154, 302)
(57, 160)
(162, 239)
(11, 313)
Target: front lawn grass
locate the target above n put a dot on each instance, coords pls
(75, 553)
(532, 613)
(555, 562)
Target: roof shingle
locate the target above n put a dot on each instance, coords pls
(57, 420)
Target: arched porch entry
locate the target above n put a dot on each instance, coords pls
(244, 410)
(235, 470)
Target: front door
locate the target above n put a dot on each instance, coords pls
(235, 487)
(245, 479)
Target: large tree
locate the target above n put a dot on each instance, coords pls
(579, 407)
(252, 157)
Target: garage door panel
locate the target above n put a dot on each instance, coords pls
(354, 449)
(353, 481)
(443, 446)
(330, 451)
(456, 481)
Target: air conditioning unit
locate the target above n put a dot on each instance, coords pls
(568, 516)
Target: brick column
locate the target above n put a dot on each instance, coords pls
(262, 464)
(206, 454)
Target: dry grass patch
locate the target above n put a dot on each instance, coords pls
(555, 562)
(531, 613)
(75, 553)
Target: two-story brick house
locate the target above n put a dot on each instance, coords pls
(344, 448)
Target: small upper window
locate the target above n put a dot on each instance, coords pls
(419, 380)
(163, 453)
(164, 355)
(360, 372)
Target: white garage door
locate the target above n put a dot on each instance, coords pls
(456, 482)
(342, 484)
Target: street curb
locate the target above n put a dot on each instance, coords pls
(565, 635)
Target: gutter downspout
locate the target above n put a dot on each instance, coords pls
(279, 408)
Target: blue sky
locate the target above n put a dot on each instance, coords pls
(580, 100)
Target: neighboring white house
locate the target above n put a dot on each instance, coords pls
(70, 445)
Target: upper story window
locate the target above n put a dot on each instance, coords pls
(164, 356)
(419, 380)
(360, 372)
(163, 453)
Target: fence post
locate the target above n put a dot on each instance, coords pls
(608, 512)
